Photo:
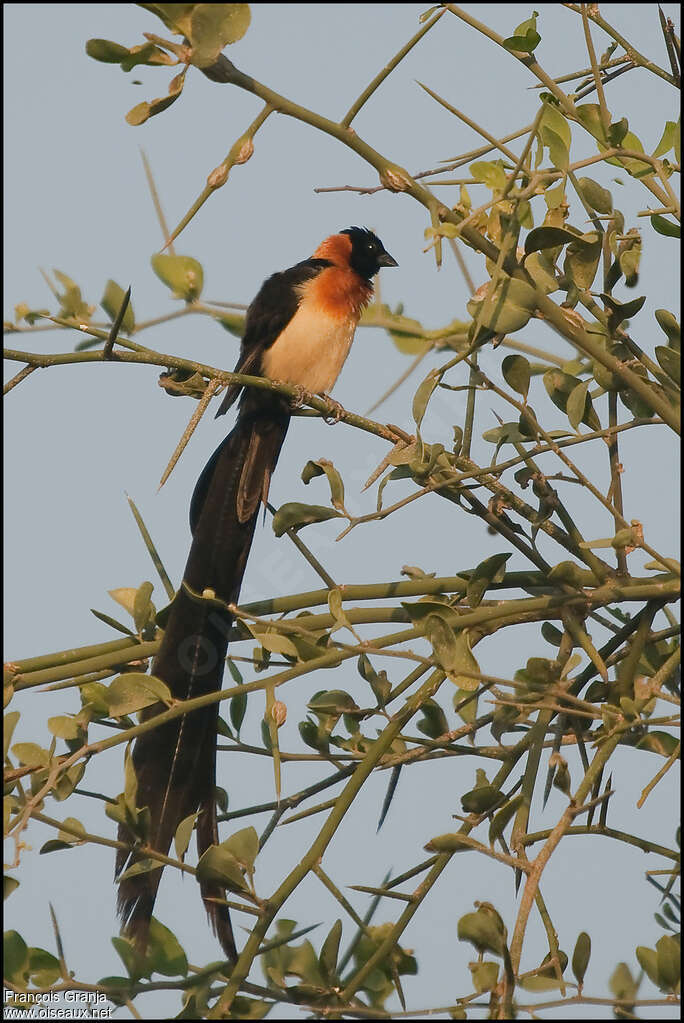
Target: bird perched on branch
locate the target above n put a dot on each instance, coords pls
(298, 330)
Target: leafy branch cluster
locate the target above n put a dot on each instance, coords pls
(611, 677)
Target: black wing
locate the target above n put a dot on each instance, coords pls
(274, 306)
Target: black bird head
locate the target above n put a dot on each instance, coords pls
(368, 253)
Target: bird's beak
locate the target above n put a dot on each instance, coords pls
(384, 259)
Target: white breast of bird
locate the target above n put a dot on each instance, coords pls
(311, 351)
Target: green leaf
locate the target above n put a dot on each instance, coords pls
(590, 117)
(94, 698)
(67, 781)
(30, 754)
(670, 361)
(669, 962)
(622, 984)
(220, 865)
(546, 978)
(449, 843)
(112, 53)
(15, 959)
(143, 608)
(330, 951)
(621, 311)
(213, 26)
(548, 238)
(554, 131)
(106, 51)
(489, 571)
(452, 651)
(490, 172)
(323, 466)
(125, 596)
(408, 335)
(266, 734)
(337, 610)
(332, 701)
(582, 259)
(553, 197)
(164, 952)
(485, 974)
(234, 323)
(423, 395)
(182, 274)
(558, 152)
(238, 709)
(517, 373)
(377, 680)
(313, 734)
(577, 403)
(648, 961)
(551, 634)
(502, 817)
(667, 321)
(295, 516)
(132, 959)
(629, 255)
(181, 840)
(480, 799)
(134, 690)
(273, 641)
(598, 198)
(635, 168)
(10, 884)
(111, 303)
(525, 39)
(243, 1008)
(529, 25)
(484, 929)
(523, 44)
(10, 723)
(659, 742)
(540, 268)
(665, 227)
(505, 307)
(432, 722)
(537, 673)
(637, 405)
(175, 16)
(244, 845)
(112, 622)
(507, 433)
(44, 968)
(668, 138)
(72, 305)
(64, 727)
(141, 112)
(559, 386)
(617, 131)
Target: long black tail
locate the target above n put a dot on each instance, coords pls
(175, 764)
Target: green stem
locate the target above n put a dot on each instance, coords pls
(151, 358)
(122, 655)
(382, 75)
(616, 480)
(631, 52)
(381, 745)
(621, 836)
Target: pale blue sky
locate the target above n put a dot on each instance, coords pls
(80, 438)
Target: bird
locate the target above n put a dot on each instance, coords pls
(298, 330)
